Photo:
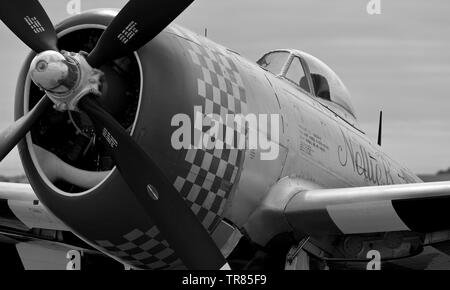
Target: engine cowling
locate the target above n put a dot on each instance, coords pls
(74, 177)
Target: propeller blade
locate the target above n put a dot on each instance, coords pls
(15, 132)
(135, 25)
(177, 223)
(29, 21)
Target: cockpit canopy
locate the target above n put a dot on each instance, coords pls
(312, 76)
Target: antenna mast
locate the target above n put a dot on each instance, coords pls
(380, 128)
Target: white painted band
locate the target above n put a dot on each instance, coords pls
(366, 217)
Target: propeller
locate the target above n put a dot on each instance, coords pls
(16, 131)
(135, 25)
(29, 21)
(157, 195)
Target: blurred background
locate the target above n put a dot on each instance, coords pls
(398, 61)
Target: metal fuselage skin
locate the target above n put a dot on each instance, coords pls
(181, 71)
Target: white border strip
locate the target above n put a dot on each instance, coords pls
(366, 217)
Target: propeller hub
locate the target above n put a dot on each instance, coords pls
(65, 77)
(53, 72)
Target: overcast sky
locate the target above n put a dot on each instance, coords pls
(398, 61)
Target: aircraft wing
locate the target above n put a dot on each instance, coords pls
(421, 207)
(20, 209)
(288, 207)
(33, 238)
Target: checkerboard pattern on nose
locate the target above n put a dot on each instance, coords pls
(208, 183)
(142, 249)
(211, 174)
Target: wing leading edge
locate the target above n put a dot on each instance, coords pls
(421, 207)
(20, 209)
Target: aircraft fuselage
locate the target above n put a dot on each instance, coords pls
(181, 71)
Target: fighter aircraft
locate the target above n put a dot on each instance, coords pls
(103, 104)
